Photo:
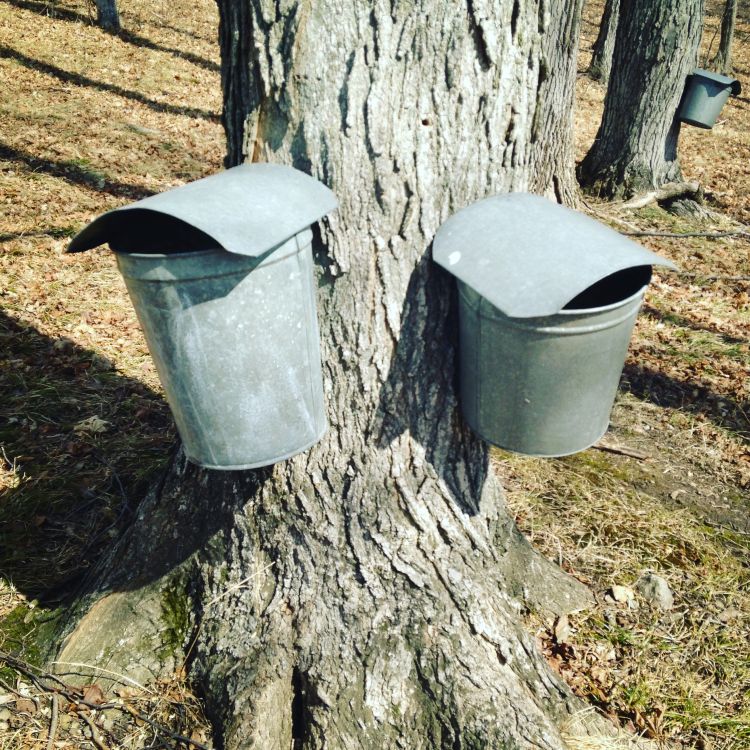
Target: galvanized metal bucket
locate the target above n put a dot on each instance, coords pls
(231, 324)
(543, 386)
(547, 302)
(706, 93)
(235, 343)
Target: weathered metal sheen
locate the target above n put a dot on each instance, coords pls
(547, 303)
(231, 324)
(706, 93)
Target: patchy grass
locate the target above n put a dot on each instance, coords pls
(682, 674)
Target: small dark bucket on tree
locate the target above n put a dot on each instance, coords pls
(220, 273)
(547, 303)
(705, 95)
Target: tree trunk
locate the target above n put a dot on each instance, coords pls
(723, 60)
(601, 57)
(656, 48)
(107, 15)
(366, 593)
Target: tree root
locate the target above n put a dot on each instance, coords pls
(670, 191)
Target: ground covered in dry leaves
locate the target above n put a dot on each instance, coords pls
(89, 121)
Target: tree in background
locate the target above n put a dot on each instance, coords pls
(107, 15)
(723, 60)
(601, 57)
(367, 593)
(656, 48)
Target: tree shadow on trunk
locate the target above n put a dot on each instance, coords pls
(408, 397)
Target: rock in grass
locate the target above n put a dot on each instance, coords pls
(623, 595)
(655, 590)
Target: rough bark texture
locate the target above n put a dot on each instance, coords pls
(604, 46)
(366, 593)
(636, 147)
(552, 127)
(107, 15)
(723, 60)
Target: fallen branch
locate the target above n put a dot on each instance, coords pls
(52, 734)
(678, 235)
(621, 451)
(94, 731)
(666, 192)
(711, 278)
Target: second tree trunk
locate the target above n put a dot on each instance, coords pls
(656, 49)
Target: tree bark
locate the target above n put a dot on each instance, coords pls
(366, 593)
(601, 57)
(107, 15)
(723, 60)
(635, 149)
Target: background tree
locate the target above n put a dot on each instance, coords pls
(601, 56)
(723, 60)
(656, 48)
(107, 15)
(366, 593)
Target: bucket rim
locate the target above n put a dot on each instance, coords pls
(165, 256)
(296, 243)
(606, 308)
(639, 294)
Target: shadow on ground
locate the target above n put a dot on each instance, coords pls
(689, 396)
(77, 79)
(65, 14)
(67, 491)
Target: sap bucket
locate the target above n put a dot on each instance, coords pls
(705, 95)
(220, 273)
(547, 302)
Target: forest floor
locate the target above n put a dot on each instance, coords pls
(89, 121)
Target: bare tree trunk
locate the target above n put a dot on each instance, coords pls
(558, 65)
(723, 60)
(107, 15)
(636, 147)
(601, 58)
(367, 593)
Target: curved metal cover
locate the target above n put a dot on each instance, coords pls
(529, 256)
(733, 83)
(247, 210)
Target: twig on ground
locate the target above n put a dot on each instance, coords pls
(75, 695)
(94, 731)
(53, 722)
(621, 450)
(678, 235)
(666, 192)
(692, 275)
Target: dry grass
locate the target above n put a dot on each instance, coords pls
(89, 121)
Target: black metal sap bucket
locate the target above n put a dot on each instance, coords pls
(220, 272)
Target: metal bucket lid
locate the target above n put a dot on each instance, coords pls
(247, 210)
(529, 256)
(733, 83)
